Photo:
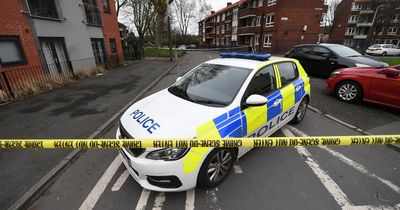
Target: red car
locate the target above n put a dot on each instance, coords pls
(373, 84)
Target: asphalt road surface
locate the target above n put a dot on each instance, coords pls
(353, 177)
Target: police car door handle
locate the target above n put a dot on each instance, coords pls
(277, 102)
(298, 88)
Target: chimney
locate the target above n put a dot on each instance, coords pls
(228, 4)
(212, 12)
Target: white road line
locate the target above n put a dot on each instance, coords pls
(159, 201)
(337, 193)
(373, 207)
(360, 168)
(190, 195)
(143, 200)
(236, 168)
(101, 185)
(352, 163)
(121, 180)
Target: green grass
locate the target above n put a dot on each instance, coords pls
(390, 61)
(154, 52)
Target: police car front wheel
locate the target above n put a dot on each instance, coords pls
(301, 111)
(216, 167)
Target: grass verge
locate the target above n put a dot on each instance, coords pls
(161, 52)
(390, 61)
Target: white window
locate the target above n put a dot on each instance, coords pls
(223, 29)
(271, 2)
(396, 18)
(217, 18)
(217, 29)
(350, 31)
(256, 39)
(392, 31)
(356, 6)
(235, 15)
(223, 16)
(353, 19)
(268, 40)
(234, 29)
(217, 41)
(269, 20)
(258, 21)
(260, 3)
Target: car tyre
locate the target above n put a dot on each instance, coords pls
(216, 167)
(349, 91)
(384, 53)
(301, 111)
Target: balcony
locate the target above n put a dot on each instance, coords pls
(248, 12)
(366, 11)
(209, 25)
(249, 30)
(364, 24)
(92, 14)
(209, 35)
(360, 36)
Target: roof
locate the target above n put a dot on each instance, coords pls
(240, 62)
(225, 8)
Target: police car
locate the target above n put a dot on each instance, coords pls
(237, 95)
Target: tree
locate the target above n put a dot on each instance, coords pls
(203, 9)
(184, 14)
(160, 7)
(140, 13)
(330, 15)
(119, 4)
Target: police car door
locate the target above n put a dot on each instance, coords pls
(263, 83)
(291, 89)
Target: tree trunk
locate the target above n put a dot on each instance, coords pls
(159, 28)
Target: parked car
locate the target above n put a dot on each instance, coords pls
(377, 85)
(238, 95)
(323, 59)
(182, 47)
(383, 49)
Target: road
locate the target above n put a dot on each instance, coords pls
(356, 177)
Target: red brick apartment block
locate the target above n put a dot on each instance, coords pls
(272, 26)
(112, 37)
(360, 23)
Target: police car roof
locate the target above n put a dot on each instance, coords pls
(240, 62)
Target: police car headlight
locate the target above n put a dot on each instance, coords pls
(167, 154)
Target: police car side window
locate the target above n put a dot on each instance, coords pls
(288, 72)
(263, 82)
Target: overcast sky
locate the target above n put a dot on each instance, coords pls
(219, 4)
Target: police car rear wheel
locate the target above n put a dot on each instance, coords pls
(216, 167)
(301, 111)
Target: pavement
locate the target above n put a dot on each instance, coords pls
(335, 177)
(74, 111)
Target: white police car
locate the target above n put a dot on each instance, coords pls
(237, 95)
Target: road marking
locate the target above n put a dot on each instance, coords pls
(121, 180)
(351, 163)
(159, 201)
(337, 193)
(236, 168)
(144, 196)
(101, 185)
(212, 199)
(360, 168)
(190, 195)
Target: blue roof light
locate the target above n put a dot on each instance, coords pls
(252, 56)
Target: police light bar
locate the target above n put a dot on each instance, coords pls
(253, 56)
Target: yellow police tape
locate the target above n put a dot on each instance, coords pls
(186, 142)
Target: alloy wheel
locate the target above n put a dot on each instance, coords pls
(219, 165)
(347, 92)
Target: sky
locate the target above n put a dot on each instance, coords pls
(219, 4)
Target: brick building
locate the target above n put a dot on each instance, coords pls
(361, 23)
(267, 25)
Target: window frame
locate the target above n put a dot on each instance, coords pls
(57, 7)
(17, 41)
(268, 45)
(106, 10)
(297, 73)
(271, 2)
(271, 22)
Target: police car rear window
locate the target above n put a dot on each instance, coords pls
(210, 84)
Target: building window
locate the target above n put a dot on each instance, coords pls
(44, 8)
(217, 18)
(323, 19)
(353, 19)
(356, 6)
(258, 21)
(106, 6)
(350, 31)
(269, 20)
(260, 3)
(392, 31)
(271, 2)
(267, 40)
(217, 29)
(217, 41)
(92, 12)
(396, 18)
(113, 45)
(223, 29)
(11, 52)
(380, 30)
(223, 16)
(235, 14)
(256, 39)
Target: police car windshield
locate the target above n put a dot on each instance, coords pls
(210, 84)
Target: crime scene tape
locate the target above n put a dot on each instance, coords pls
(187, 142)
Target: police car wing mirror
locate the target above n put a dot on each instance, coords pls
(177, 79)
(256, 100)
